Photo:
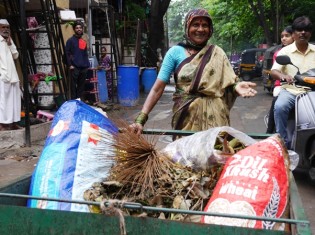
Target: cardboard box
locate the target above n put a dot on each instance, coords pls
(67, 15)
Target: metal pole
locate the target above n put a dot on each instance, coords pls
(89, 27)
(140, 207)
(24, 70)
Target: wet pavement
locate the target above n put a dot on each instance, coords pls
(247, 116)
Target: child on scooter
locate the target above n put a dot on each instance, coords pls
(286, 39)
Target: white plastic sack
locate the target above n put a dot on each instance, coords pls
(197, 151)
(78, 152)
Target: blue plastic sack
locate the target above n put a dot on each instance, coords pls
(78, 152)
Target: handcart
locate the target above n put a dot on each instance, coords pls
(16, 218)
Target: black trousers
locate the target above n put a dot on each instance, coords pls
(271, 127)
(78, 76)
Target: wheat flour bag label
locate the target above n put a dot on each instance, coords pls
(254, 182)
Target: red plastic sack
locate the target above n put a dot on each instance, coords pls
(254, 182)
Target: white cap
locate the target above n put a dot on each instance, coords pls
(4, 21)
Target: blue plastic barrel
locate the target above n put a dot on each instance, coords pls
(148, 78)
(128, 85)
(102, 86)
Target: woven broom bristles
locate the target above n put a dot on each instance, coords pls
(138, 162)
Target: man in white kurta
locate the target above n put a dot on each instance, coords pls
(10, 94)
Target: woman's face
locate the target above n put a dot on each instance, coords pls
(199, 30)
(286, 38)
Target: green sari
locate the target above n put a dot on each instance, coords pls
(204, 91)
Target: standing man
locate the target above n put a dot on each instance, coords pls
(10, 94)
(302, 54)
(78, 61)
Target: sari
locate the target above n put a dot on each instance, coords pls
(204, 91)
(106, 63)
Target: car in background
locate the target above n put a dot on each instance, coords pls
(251, 63)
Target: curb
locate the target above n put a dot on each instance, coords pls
(15, 139)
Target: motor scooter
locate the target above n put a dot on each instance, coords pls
(301, 122)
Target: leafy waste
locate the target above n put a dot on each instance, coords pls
(147, 176)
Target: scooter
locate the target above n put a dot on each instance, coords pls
(301, 122)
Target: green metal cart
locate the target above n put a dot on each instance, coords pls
(16, 218)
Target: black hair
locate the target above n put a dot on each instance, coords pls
(76, 23)
(288, 29)
(302, 23)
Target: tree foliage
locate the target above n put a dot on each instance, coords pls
(241, 24)
(175, 18)
(135, 10)
(238, 24)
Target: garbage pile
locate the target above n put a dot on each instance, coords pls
(148, 176)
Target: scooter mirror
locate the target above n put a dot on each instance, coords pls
(283, 60)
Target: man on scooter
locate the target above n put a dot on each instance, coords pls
(302, 54)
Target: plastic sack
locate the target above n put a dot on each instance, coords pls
(78, 152)
(254, 182)
(294, 159)
(197, 151)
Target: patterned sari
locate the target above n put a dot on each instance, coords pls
(200, 105)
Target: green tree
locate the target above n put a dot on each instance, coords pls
(175, 18)
(152, 13)
(248, 23)
(238, 24)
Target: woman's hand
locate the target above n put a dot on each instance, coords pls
(245, 89)
(137, 128)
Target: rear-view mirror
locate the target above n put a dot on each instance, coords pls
(283, 60)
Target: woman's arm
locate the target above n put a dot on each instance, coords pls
(153, 97)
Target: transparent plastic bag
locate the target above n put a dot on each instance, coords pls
(197, 151)
(294, 159)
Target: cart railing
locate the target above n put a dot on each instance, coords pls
(14, 217)
(186, 133)
(298, 220)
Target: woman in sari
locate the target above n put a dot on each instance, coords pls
(206, 85)
(105, 63)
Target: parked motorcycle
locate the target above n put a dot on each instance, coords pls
(301, 123)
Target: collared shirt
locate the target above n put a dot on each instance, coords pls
(8, 71)
(303, 61)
